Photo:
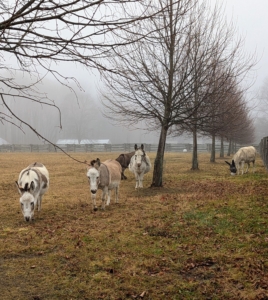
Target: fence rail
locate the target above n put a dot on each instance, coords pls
(124, 148)
(263, 150)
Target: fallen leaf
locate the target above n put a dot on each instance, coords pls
(142, 294)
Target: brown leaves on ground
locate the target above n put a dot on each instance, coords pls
(202, 236)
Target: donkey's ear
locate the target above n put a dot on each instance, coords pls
(135, 147)
(233, 163)
(98, 161)
(32, 186)
(18, 187)
(228, 163)
(142, 146)
(26, 189)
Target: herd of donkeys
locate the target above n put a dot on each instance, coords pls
(33, 181)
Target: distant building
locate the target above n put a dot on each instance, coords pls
(90, 142)
(82, 142)
(67, 142)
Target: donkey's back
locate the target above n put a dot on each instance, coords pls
(124, 160)
(113, 174)
(36, 173)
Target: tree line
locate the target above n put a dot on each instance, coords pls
(186, 75)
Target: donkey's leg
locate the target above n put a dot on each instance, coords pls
(39, 202)
(108, 197)
(137, 180)
(93, 198)
(103, 197)
(253, 166)
(116, 194)
(141, 181)
(242, 167)
(247, 168)
(123, 176)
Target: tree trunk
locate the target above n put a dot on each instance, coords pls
(222, 148)
(194, 157)
(213, 150)
(159, 160)
(234, 148)
(229, 148)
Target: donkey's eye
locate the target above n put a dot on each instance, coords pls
(21, 204)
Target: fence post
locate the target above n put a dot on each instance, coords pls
(266, 152)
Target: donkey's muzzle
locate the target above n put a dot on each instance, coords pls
(27, 219)
(93, 191)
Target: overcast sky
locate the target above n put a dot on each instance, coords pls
(251, 20)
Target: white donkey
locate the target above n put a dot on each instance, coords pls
(105, 176)
(242, 156)
(32, 184)
(139, 165)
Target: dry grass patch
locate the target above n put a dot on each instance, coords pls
(202, 236)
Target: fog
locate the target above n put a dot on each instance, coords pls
(251, 22)
(79, 117)
(81, 109)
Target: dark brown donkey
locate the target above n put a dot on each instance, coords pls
(124, 160)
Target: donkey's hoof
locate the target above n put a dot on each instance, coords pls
(95, 208)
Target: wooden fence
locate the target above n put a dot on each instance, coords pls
(263, 150)
(123, 148)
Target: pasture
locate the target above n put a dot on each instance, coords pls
(204, 235)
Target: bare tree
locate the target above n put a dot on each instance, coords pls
(153, 77)
(225, 112)
(168, 79)
(37, 36)
(232, 122)
(219, 67)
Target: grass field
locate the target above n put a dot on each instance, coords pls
(204, 235)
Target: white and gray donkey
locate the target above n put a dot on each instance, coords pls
(32, 184)
(104, 176)
(139, 165)
(242, 156)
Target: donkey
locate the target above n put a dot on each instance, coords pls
(139, 165)
(32, 184)
(242, 156)
(124, 160)
(104, 176)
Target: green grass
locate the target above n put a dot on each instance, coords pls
(204, 235)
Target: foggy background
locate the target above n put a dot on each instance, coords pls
(81, 111)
